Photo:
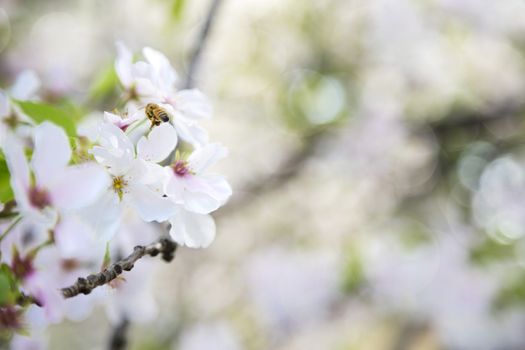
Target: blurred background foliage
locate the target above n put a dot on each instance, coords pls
(376, 155)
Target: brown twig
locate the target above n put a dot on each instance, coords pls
(287, 171)
(201, 43)
(165, 246)
(465, 119)
(118, 339)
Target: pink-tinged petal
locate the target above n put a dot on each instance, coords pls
(18, 169)
(150, 205)
(204, 157)
(192, 230)
(79, 186)
(52, 152)
(26, 85)
(193, 104)
(29, 342)
(159, 144)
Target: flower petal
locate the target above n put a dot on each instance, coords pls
(79, 186)
(104, 216)
(159, 144)
(26, 85)
(205, 194)
(123, 65)
(192, 230)
(52, 152)
(204, 157)
(150, 205)
(75, 240)
(194, 134)
(116, 151)
(163, 74)
(18, 168)
(193, 104)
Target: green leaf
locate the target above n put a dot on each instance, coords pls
(41, 112)
(107, 257)
(490, 251)
(512, 294)
(177, 8)
(7, 286)
(353, 274)
(105, 84)
(6, 194)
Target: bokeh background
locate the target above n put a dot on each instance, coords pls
(376, 155)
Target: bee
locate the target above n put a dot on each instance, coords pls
(156, 114)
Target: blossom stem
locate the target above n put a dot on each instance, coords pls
(10, 227)
(164, 246)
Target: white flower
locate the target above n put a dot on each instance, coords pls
(136, 178)
(153, 81)
(144, 79)
(190, 186)
(57, 190)
(47, 274)
(196, 194)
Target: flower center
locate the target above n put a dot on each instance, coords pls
(10, 318)
(181, 168)
(21, 266)
(12, 121)
(69, 265)
(119, 183)
(39, 197)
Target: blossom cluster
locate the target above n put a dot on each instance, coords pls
(85, 197)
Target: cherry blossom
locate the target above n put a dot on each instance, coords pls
(154, 81)
(58, 189)
(197, 194)
(135, 180)
(192, 187)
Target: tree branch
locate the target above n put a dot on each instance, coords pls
(118, 339)
(287, 171)
(201, 43)
(165, 246)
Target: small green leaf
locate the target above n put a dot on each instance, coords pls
(105, 84)
(512, 294)
(41, 112)
(353, 274)
(7, 286)
(490, 251)
(177, 8)
(107, 257)
(6, 194)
